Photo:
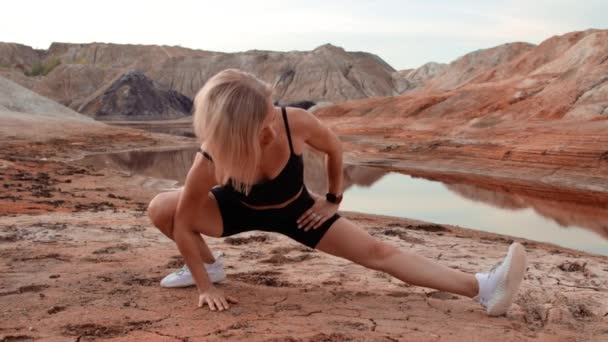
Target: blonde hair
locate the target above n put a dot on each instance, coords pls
(228, 114)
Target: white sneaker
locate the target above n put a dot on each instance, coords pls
(498, 287)
(183, 278)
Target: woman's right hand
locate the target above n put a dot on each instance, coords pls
(215, 298)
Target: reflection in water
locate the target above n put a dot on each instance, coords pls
(569, 224)
(374, 190)
(174, 165)
(171, 164)
(315, 173)
(179, 127)
(564, 214)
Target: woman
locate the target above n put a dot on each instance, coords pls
(249, 176)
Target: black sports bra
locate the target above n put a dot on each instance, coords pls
(279, 189)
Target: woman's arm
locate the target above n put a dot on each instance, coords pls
(323, 139)
(200, 179)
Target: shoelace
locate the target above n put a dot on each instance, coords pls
(482, 298)
(494, 267)
(182, 270)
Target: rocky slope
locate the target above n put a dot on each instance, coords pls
(464, 69)
(540, 114)
(17, 99)
(437, 76)
(33, 127)
(327, 73)
(412, 79)
(25, 115)
(18, 56)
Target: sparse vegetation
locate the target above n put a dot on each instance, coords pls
(43, 68)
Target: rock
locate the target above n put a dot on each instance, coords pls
(572, 266)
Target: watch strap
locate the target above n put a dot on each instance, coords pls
(332, 198)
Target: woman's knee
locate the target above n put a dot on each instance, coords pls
(378, 252)
(153, 210)
(160, 211)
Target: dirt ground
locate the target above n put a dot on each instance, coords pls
(80, 261)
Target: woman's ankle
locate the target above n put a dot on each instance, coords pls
(473, 287)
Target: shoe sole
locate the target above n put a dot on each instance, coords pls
(516, 262)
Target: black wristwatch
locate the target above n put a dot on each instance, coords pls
(333, 198)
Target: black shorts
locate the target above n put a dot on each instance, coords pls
(240, 218)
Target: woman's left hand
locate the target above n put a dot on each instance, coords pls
(317, 214)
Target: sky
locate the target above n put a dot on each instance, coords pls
(406, 34)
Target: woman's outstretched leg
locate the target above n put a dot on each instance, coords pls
(494, 290)
(347, 240)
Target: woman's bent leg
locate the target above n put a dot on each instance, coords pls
(346, 240)
(161, 212)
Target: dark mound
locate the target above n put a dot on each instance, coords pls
(134, 96)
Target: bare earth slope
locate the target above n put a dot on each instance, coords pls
(413, 79)
(27, 116)
(32, 126)
(327, 73)
(15, 98)
(540, 115)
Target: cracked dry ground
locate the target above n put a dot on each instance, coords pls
(80, 262)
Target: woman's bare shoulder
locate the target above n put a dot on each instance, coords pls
(311, 131)
(201, 176)
(302, 121)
